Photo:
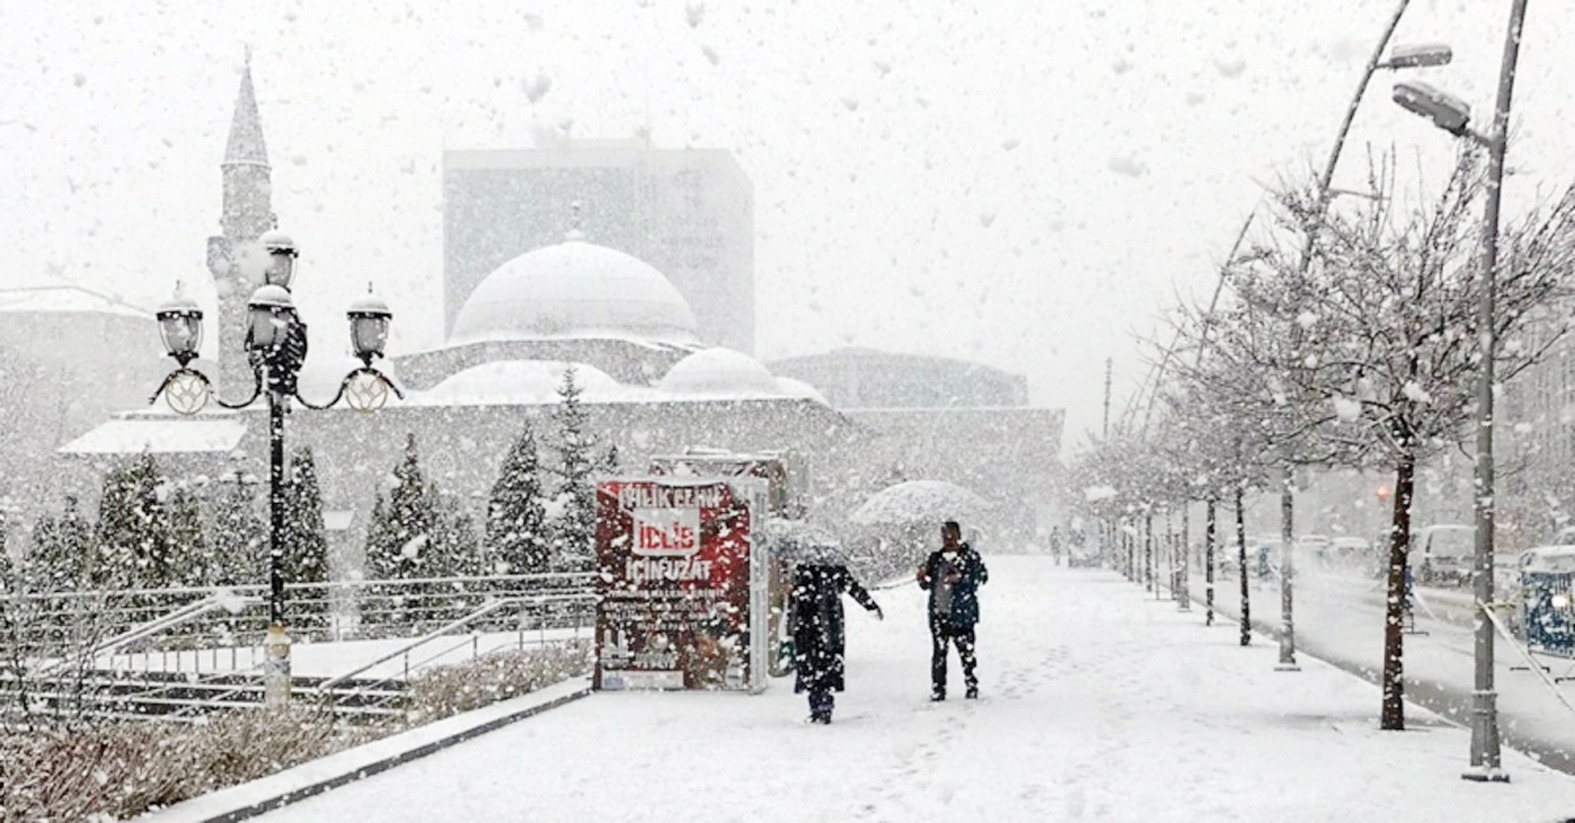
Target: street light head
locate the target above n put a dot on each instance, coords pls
(282, 253)
(271, 310)
(1420, 55)
(369, 318)
(1447, 112)
(180, 327)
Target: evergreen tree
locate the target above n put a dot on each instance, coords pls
(133, 527)
(400, 545)
(381, 555)
(411, 515)
(62, 552)
(240, 537)
(575, 529)
(457, 549)
(306, 544)
(190, 561)
(516, 515)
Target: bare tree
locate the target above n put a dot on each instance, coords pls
(1387, 336)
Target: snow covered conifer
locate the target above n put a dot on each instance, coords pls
(239, 537)
(516, 516)
(189, 558)
(133, 527)
(62, 551)
(306, 546)
(575, 527)
(411, 513)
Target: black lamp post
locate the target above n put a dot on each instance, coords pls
(276, 349)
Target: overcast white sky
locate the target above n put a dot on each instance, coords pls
(1023, 183)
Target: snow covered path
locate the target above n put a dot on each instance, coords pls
(1098, 704)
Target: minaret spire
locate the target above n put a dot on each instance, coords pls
(233, 258)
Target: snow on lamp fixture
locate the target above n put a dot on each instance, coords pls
(281, 258)
(1421, 55)
(180, 327)
(369, 318)
(271, 311)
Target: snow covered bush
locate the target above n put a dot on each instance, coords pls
(493, 677)
(116, 771)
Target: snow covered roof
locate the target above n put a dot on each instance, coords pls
(159, 435)
(522, 381)
(575, 290)
(721, 372)
(64, 297)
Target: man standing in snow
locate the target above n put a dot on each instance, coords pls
(953, 576)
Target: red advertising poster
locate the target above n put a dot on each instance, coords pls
(675, 571)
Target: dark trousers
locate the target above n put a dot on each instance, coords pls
(821, 702)
(942, 632)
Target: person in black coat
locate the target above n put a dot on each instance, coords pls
(953, 576)
(819, 639)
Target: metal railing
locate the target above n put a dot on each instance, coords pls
(192, 649)
(551, 618)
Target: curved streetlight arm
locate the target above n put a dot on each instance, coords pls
(257, 386)
(345, 384)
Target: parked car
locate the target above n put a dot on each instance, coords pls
(1442, 555)
(1350, 555)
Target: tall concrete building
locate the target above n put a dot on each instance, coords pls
(688, 212)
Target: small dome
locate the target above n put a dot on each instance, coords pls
(575, 290)
(793, 387)
(720, 372)
(517, 381)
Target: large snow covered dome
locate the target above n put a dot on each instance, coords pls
(720, 372)
(517, 381)
(575, 290)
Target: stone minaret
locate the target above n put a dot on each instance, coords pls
(234, 258)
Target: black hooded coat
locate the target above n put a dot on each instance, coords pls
(816, 619)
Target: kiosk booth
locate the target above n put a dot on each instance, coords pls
(682, 584)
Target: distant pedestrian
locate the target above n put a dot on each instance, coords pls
(953, 576)
(819, 639)
(1055, 544)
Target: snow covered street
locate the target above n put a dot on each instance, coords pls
(1099, 704)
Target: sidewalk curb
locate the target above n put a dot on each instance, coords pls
(314, 777)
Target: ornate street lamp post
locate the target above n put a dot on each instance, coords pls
(276, 349)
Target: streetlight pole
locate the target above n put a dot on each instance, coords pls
(1453, 116)
(276, 348)
(1400, 59)
(1485, 761)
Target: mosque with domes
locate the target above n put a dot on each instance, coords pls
(652, 384)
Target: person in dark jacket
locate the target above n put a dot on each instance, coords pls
(953, 576)
(818, 631)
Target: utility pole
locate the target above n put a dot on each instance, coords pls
(1105, 432)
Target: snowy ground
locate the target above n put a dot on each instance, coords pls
(1099, 705)
(1341, 620)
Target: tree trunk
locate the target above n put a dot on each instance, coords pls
(1393, 715)
(1148, 551)
(1208, 564)
(1183, 585)
(1287, 569)
(1241, 565)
